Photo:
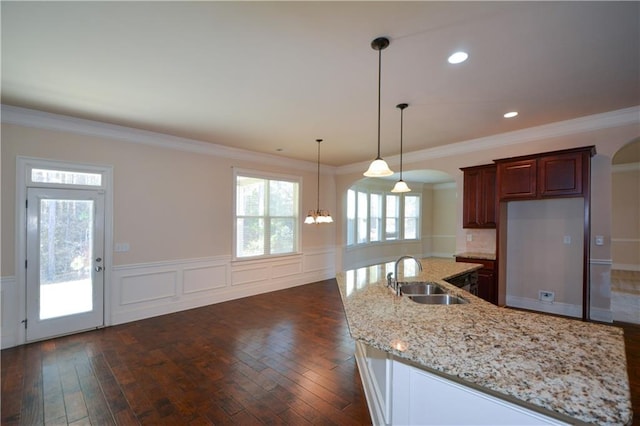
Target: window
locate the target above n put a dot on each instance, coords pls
(266, 215)
(374, 217)
(351, 216)
(363, 214)
(411, 216)
(65, 177)
(392, 230)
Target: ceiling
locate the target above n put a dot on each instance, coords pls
(274, 76)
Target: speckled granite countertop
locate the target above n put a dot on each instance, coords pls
(477, 255)
(566, 366)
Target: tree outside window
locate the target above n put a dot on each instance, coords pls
(266, 216)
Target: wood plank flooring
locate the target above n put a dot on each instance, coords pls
(279, 358)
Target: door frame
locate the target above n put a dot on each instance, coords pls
(23, 165)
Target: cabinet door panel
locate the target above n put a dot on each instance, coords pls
(471, 200)
(479, 200)
(487, 286)
(489, 197)
(487, 278)
(560, 175)
(517, 180)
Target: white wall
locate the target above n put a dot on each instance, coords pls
(539, 259)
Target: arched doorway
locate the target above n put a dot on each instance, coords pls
(380, 224)
(625, 233)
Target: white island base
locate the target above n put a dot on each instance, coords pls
(399, 393)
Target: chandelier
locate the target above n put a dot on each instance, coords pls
(318, 216)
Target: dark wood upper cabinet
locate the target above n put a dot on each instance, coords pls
(479, 197)
(518, 179)
(561, 175)
(548, 175)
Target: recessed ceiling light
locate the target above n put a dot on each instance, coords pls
(458, 57)
(511, 114)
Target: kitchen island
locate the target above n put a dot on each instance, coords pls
(567, 369)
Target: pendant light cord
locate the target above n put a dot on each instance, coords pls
(379, 96)
(401, 118)
(318, 204)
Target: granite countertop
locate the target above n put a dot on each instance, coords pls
(477, 255)
(567, 366)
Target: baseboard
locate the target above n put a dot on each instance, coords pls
(564, 309)
(601, 315)
(557, 308)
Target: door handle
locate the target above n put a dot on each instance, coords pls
(98, 268)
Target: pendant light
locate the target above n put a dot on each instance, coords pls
(401, 186)
(379, 167)
(318, 216)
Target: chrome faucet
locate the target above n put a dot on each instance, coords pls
(392, 278)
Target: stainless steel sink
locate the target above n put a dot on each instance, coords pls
(420, 288)
(438, 299)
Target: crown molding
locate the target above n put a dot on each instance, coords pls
(588, 123)
(49, 121)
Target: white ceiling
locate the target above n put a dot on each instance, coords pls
(270, 76)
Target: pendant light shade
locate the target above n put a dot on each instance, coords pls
(318, 216)
(379, 167)
(401, 185)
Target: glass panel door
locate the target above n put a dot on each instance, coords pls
(64, 261)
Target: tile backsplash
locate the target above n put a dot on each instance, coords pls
(482, 240)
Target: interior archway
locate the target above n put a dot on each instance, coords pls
(436, 230)
(625, 233)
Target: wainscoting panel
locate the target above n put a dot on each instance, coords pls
(248, 274)
(147, 287)
(148, 290)
(204, 278)
(286, 269)
(10, 314)
(319, 261)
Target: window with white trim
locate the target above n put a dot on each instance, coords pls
(373, 216)
(266, 215)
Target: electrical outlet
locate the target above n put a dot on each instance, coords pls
(121, 247)
(567, 239)
(546, 296)
(469, 237)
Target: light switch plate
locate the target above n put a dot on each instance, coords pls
(567, 239)
(599, 240)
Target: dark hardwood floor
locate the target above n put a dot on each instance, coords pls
(279, 358)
